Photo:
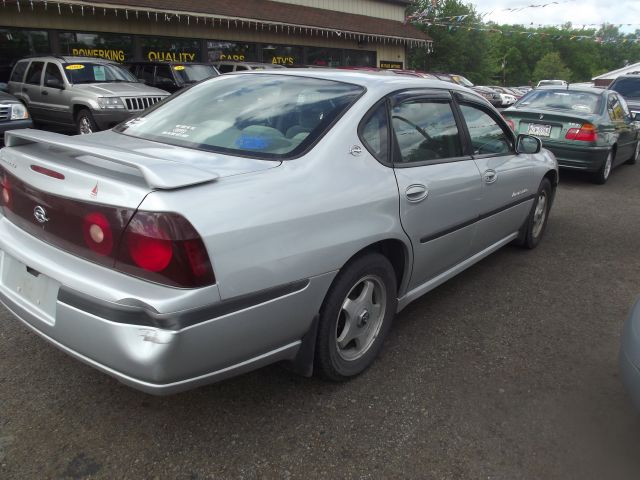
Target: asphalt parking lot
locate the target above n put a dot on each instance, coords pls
(508, 371)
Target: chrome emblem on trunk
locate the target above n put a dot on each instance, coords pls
(541, 116)
(40, 214)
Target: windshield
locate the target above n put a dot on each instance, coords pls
(546, 83)
(627, 87)
(87, 72)
(194, 73)
(261, 115)
(561, 100)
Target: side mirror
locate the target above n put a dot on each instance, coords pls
(528, 144)
(55, 83)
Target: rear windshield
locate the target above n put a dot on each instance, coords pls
(194, 73)
(627, 87)
(260, 115)
(87, 72)
(562, 100)
(548, 83)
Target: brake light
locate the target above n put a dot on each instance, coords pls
(165, 248)
(586, 133)
(48, 172)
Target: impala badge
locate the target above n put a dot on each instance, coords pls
(40, 214)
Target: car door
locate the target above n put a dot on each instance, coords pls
(55, 106)
(621, 117)
(31, 89)
(507, 189)
(438, 182)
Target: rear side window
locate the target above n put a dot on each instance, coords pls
(262, 116)
(425, 130)
(34, 73)
(18, 71)
(374, 132)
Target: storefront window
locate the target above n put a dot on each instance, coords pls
(16, 44)
(359, 58)
(110, 46)
(282, 54)
(170, 49)
(234, 51)
(325, 57)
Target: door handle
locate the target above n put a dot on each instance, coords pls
(416, 193)
(44, 92)
(490, 176)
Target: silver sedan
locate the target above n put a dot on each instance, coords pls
(260, 217)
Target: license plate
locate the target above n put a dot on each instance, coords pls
(539, 130)
(33, 290)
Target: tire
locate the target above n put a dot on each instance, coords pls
(85, 124)
(636, 154)
(533, 229)
(355, 317)
(602, 175)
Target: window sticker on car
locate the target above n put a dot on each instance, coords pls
(252, 142)
(181, 131)
(74, 67)
(179, 67)
(99, 73)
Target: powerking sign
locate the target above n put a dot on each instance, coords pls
(109, 54)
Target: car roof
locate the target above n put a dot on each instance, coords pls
(71, 59)
(372, 80)
(555, 88)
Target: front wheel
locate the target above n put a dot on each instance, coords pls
(355, 317)
(533, 229)
(85, 123)
(602, 175)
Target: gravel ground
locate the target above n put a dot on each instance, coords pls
(508, 371)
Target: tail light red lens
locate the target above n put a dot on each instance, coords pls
(164, 248)
(6, 190)
(586, 133)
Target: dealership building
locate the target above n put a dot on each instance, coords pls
(363, 33)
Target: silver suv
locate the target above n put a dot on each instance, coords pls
(89, 94)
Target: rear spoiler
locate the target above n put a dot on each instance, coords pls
(158, 173)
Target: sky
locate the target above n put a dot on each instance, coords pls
(578, 12)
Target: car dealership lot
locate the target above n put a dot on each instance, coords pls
(507, 371)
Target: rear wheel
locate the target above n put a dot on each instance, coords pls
(355, 317)
(636, 154)
(602, 175)
(85, 123)
(533, 229)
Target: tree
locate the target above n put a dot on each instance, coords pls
(551, 66)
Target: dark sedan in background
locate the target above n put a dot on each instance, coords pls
(586, 128)
(13, 115)
(171, 76)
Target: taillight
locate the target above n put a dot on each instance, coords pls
(586, 133)
(97, 233)
(6, 190)
(164, 248)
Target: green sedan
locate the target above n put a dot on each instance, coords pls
(586, 128)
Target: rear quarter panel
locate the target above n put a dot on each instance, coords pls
(307, 217)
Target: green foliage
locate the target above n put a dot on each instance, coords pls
(551, 66)
(487, 53)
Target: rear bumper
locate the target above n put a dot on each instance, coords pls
(147, 339)
(579, 158)
(13, 125)
(629, 359)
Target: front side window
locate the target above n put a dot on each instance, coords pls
(616, 113)
(190, 73)
(262, 115)
(487, 136)
(89, 72)
(52, 73)
(164, 76)
(425, 130)
(34, 73)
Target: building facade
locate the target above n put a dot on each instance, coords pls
(359, 33)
